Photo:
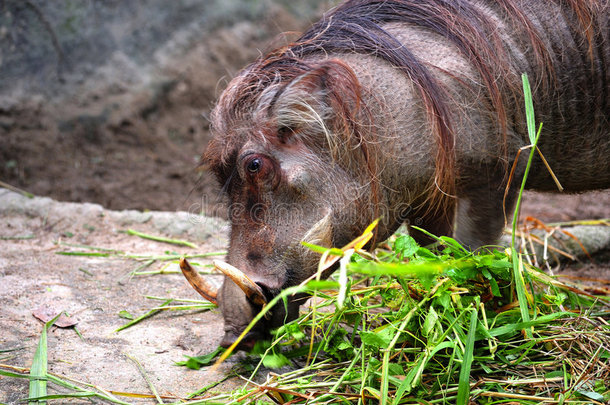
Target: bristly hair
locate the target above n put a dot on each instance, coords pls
(357, 27)
(257, 90)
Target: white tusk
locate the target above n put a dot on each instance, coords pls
(199, 283)
(249, 287)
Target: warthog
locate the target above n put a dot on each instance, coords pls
(405, 110)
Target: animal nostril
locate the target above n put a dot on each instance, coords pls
(253, 257)
(266, 291)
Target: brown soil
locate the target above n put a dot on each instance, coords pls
(141, 159)
(93, 290)
(133, 148)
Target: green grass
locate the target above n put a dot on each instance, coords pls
(442, 326)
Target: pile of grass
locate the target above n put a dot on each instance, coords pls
(414, 325)
(409, 325)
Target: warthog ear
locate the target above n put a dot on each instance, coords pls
(329, 91)
(300, 104)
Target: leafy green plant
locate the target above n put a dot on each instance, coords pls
(445, 326)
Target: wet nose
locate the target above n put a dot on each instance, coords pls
(271, 285)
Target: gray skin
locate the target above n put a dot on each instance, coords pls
(312, 189)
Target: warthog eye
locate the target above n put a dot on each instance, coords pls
(259, 169)
(254, 165)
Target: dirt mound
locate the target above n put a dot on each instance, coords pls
(114, 108)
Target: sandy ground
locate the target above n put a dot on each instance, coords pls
(93, 290)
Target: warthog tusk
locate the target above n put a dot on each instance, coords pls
(200, 284)
(249, 287)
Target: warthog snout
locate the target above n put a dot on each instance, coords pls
(247, 299)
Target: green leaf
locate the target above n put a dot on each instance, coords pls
(515, 257)
(591, 395)
(275, 361)
(91, 254)
(500, 264)
(556, 373)
(293, 329)
(529, 109)
(322, 285)
(455, 246)
(142, 317)
(126, 315)
(501, 268)
(337, 346)
(443, 298)
(405, 246)
(395, 369)
(38, 371)
(426, 253)
(463, 395)
(322, 249)
(344, 345)
(379, 340)
(161, 239)
(516, 327)
(260, 347)
(462, 274)
(196, 362)
(495, 290)
(430, 322)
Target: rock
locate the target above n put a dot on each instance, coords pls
(195, 227)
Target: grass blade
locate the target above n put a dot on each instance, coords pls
(529, 109)
(16, 190)
(515, 257)
(145, 375)
(146, 315)
(464, 379)
(178, 242)
(91, 254)
(38, 372)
